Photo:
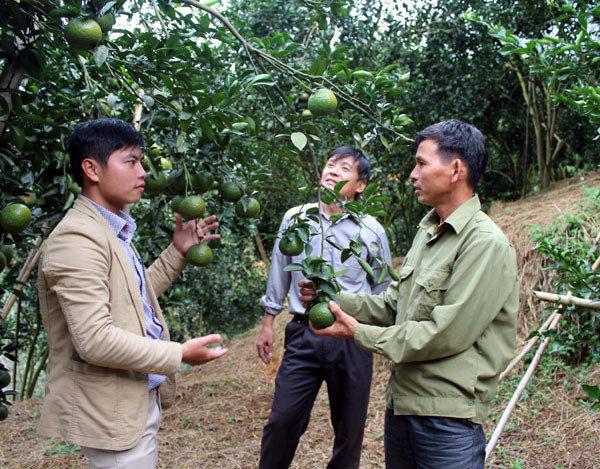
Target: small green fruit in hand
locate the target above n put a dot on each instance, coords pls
(291, 245)
(199, 255)
(192, 207)
(320, 316)
(248, 207)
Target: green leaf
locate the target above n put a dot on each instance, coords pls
(392, 273)
(364, 264)
(299, 140)
(100, 55)
(293, 268)
(318, 67)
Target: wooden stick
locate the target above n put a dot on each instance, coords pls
(28, 265)
(515, 398)
(567, 300)
(530, 343)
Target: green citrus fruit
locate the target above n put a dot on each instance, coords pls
(320, 315)
(166, 164)
(29, 199)
(8, 252)
(199, 255)
(291, 245)
(248, 207)
(3, 412)
(202, 181)
(178, 293)
(15, 218)
(175, 201)
(4, 378)
(176, 182)
(231, 191)
(154, 150)
(155, 185)
(215, 243)
(3, 262)
(83, 33)
(75, 188)
(192, 207)
(306, 113)
(106, 22)
(322, 102)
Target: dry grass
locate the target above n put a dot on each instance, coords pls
(217, 420)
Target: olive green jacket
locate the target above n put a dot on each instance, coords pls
(97, 378)
(449, 324)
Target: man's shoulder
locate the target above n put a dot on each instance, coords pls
(485, 228)
(370, 222)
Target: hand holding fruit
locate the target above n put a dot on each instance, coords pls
(192, 232)
(343, 327)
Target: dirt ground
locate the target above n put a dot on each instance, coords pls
(222, 407)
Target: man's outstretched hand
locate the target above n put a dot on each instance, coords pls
(196, 352)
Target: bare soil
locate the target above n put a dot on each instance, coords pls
(222, 407)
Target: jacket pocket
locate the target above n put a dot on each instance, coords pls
(431, 286)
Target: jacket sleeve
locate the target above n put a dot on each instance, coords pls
(75, 267)
(165, 269)
(482, 280)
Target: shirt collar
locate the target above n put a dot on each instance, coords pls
(457, 219)
(122, 225)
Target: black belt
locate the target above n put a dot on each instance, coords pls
(301, 318)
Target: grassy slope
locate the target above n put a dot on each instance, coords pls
(218, 419)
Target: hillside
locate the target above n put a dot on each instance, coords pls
(222, 406)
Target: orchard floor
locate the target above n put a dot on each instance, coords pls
(222, 406)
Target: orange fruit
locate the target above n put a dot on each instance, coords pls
(199, 255)
(322, 102)
(291, 245)
(320, 315)
(155, 186)
(192, 207)
(248, 207)
(231, 191)
(83, 33)
(15, 218)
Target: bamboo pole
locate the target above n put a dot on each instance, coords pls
(515, 398)
(26, 269)
(567, 300)
(530, 343)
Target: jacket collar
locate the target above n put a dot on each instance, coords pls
(456, 221)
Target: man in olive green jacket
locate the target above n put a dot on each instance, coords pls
(110, 354)
(448, 325)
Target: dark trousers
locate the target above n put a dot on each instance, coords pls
(417, 442)
(307, 362)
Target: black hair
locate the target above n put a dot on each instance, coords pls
(364, 167)
(98, 139)
(459, 139)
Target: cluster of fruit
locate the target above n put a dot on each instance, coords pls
(186, 188)
(4, 381)
(86, 33)
(14, 218)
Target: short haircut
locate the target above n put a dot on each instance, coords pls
(364, 167)
(459, 139)
(98, 139)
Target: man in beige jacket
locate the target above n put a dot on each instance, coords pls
(111, 365)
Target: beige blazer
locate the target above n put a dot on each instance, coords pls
(97, 377)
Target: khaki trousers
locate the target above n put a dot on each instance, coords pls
(144, 455)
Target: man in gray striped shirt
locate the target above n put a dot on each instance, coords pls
(309, 360)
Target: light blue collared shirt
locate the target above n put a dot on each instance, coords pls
(124, 227)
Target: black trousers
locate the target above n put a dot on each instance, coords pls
(307, 362)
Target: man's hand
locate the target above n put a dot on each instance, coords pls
(264, 344)
(190, 233)
(343, 327)
(196, 352)
(307, 292)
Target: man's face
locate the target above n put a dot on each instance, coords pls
(122, 180)
(431, 176)
(343, 169)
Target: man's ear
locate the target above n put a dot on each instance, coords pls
(361, 186)
(89, 166)
(458, 170)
